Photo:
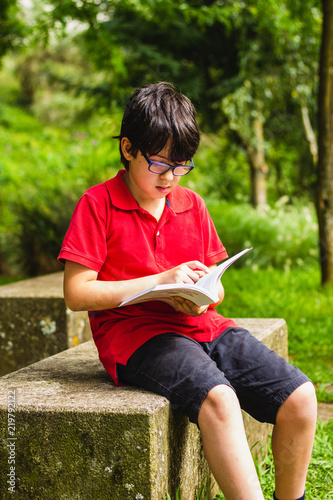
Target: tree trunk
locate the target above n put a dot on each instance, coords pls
(258, 188)
(324, 203)
(255, 150)
(259, 169)
(310, 135)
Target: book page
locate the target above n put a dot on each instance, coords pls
(161, 292)
(210, 280)
(203, 292)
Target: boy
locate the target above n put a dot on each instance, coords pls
(141, 229)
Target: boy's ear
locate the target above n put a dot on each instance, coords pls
(126, 148)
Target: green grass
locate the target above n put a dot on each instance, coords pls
(5, 280)
(319, 485)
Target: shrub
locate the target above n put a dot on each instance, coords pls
(43, 172)
(282, 236)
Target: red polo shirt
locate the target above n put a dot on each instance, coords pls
(115, 237)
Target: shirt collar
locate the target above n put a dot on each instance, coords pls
(178, 200)
(119, 193)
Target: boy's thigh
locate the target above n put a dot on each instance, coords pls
(174, 366)
(261, 378)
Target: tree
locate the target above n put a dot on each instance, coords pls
(245, 113)
(278, 58)
(325, 147)
(240, 62)
(11, 27)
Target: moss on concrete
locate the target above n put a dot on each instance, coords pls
(82, 456)
(35, 323)
(30, 330)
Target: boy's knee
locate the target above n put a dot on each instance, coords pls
(221, 401)
(300, 406)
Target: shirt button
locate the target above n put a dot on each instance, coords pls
(158, 233)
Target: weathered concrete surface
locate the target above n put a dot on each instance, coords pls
(80, 437)
(35, 323)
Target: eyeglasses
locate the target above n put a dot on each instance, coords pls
(157, 167)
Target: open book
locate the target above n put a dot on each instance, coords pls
(203, 292)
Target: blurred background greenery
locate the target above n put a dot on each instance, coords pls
(251, 69)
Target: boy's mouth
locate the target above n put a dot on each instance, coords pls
(162, 189)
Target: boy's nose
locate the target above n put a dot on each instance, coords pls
(168, 175)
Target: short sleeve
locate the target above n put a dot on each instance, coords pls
(85, 240)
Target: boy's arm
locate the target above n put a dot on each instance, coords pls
(83, 292)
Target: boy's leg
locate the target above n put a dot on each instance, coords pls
(179, 369)
(272, 390)
(292, 442)
(266, 385)
(226, 447)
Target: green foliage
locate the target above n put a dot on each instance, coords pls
(44, 169)
(283, 236)
(177, 494)
(204, 48)
(43, 172)
(251, 52)
(11, 27)
(236, 62)
(221, 170)
(204, 492)
(205, 489)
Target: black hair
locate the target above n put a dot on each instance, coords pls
(155, 114)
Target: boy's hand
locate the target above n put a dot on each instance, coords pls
(189, 273)
(188, 307)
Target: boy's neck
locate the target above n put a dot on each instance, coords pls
(154, 207)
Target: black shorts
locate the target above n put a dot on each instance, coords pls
(184, 371)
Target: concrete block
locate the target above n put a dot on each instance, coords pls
(35, 323)
(70, 433)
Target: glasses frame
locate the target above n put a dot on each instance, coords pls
(167, 166)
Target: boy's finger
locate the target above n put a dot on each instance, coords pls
(196, 265)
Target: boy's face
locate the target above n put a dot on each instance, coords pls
(143, 184)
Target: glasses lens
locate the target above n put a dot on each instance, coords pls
(158, 168)
(182, 170)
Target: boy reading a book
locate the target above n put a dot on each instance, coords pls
(141, 229)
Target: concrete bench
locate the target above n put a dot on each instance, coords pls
(35, 323)
(69, 433)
